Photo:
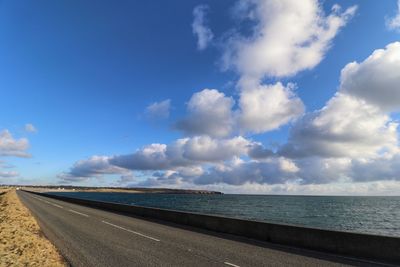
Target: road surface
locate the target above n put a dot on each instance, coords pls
(92, 237)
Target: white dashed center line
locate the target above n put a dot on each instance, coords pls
(133, 232)
(77, 212)
(231, 264)
(58, 206)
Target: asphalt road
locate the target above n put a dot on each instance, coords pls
(92, 237)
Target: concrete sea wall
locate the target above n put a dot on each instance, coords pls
(373, 247)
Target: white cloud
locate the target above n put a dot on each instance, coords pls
(13, 147)
(126, 179)
(345, 127)
(382, 168)
(206, 149)
(267, 107)
(203, 33)
(315, 175)
(239, 172)
(190, 171)
(210, 113)
(8, 174)
(186, 152)
(277, 170)
(169, 179)
(376, 79)
(30, 128)
(356, 122)
(93, 167)
(152, 157)
(261, 109)
(288, 36)
(258, 151)
(317, 170)
(394, 23)
(158, 109)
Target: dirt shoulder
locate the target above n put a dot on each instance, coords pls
(21, 240)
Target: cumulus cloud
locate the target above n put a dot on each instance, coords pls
(186, 152)
(126, 179)
(235, 172)
(278, 170)
(345, 127)
(356, 122)
(30, 128)
(394, 23)
(261, 109)
(200, 29)
(376, 79)
(267, 107)
(284, 171)
(239, 172)
(288, 36)
(8, 174)
(206, 149)
(258, 151)
(13, 147)
(317, 170)
(158, 109)
(152, 157)
(93, 167)
(382, 168)
(210, 113)
(167, 178)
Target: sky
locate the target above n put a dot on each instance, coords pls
(245, 96)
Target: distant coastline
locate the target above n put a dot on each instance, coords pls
(136, 190)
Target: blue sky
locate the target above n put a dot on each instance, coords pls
(84, 73)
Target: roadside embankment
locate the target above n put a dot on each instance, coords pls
(3, 190)
(21, 240)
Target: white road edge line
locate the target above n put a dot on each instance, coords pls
(231, 264)
(77, 212)
(133, 232)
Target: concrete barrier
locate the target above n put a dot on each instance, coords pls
(372, 247)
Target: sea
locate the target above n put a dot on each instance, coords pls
(378, 215)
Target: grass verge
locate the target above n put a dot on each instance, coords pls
(21, 240)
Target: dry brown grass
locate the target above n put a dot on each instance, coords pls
(21, 241)
(3, 190)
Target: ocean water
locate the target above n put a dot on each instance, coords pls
(374, 215)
